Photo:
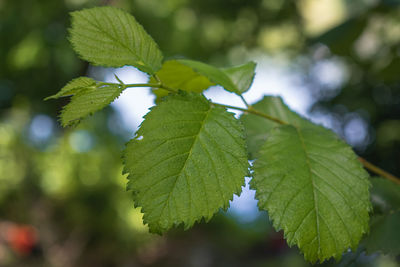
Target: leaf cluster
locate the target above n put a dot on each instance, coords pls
(190, 155)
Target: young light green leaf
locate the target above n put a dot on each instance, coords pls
(194, 76)
(214, 74)
(187, 161)
(314, 188)
(242, 76)
(74, 86)
(176, 75)
(88, 101)
(384, 236)
(108, 36)
(257, 128)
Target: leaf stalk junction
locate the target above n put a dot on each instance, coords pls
(368, 165)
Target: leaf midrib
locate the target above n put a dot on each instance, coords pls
(184, 166)
(313, 186)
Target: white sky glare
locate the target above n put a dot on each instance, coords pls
(133, 103)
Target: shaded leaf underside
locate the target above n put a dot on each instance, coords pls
(385, 194)
(384, 236)
(242, 76)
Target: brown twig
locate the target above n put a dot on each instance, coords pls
(375, 169)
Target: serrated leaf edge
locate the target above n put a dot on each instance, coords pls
(177, 223)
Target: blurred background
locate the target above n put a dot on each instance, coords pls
(62, 195)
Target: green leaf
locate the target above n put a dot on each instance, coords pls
(176, 75)
(214, 74)
(347, 32)
(88, 101)
(194, 76)
(314, 188)
(385, 194)
(384, 236)
(257, 128)
(186, 162)
(74, 86)
(390, 73)
(89, 96)
(108, 36)
(242, 76)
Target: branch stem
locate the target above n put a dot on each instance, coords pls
(368, 165)
(244, 101)
(255, 112)
(134, 84)
(142, 85)
(375, 169)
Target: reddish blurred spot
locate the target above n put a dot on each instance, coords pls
(278, 243)
(22, 239)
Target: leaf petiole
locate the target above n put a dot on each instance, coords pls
(244, 101)
(133, 84)
(255, 112)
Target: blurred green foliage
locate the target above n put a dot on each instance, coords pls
(70, 188)
(67, 184)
